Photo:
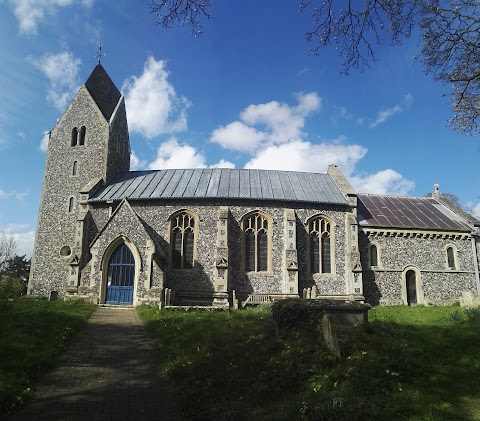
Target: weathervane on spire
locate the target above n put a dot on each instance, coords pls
(99, 54)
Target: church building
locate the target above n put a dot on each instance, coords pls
(226, 236)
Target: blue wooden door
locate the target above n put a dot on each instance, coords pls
(121, 274)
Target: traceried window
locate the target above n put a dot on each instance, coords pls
(182, 240)
(451, 261)
(255, 227)
(319, 234)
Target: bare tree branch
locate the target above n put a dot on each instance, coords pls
(451, 52)
(355, 28)
(184, 12)
(450, 32)
(8, 246)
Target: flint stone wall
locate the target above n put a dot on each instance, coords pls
(156, 217)
(383, 285)
(56, 226)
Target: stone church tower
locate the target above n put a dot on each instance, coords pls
(88, 146)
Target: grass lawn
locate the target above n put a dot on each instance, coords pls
(420, 363)
(32, 334)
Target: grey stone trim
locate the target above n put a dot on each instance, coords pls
(290, 284)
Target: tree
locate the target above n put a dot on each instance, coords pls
(184, 12)
(450, 31)
(17, 267)
(8, 246)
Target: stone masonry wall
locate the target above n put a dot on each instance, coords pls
(156, 216)
(124, 227)
(56, 226)
(383, 285)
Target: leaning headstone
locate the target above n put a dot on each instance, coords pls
(330, 337)
(234, 300)
(167, 296)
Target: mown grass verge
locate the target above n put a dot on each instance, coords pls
(32, 334)
(408, 363)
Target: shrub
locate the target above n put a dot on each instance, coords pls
(11, 288)
(472, 313)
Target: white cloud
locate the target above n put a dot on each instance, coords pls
(172, 155)
(383, 182)
(153, 106)
(44, 142)
(384, 115)
(476, 211)
(223, 164)
(282, 122)
(269, 123)
(237, 136)
(62, 71)
(136, 163)
(304, 156)
(300, 155)
(8, 194)
(341, 113)
(30, 12)
(25, 242)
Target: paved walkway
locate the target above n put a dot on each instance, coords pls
(108, 373)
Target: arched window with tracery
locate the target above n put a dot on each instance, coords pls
(256, 239)
(182, 240)
(320, 237)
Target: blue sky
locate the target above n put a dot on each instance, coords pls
(248, 93)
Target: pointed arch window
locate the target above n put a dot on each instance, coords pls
(256, 242)
(83, 131)
(74, 136)
(320, 245)
(182, 240)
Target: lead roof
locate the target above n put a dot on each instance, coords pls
(221, 184)
(407, 212)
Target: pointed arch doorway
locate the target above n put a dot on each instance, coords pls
(120, 276)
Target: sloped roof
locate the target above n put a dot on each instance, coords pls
(407, 212)
(103, 91)
(222, 184)
(143, 224)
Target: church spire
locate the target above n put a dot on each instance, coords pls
(103, 91)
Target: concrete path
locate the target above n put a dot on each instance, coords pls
(109, 372)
